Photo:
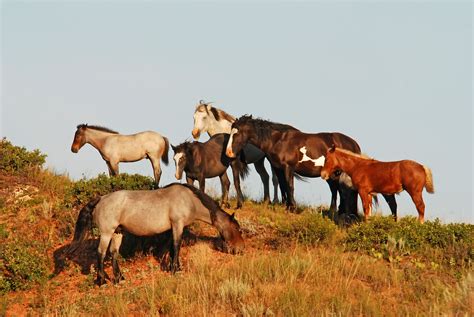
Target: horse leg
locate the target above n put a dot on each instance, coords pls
(202, 184)
(113, 168)
(417, 198)
(333, 185)
(283, 185)
(290, 180)
(155, 164)
(177, 235)
(114, 250)
(101, 251)
(275, 186)
(225, 185)
(238, 190)
(392, 203)
(367, 204)
(189, 181)
(260, 168)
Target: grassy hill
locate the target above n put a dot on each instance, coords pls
(304, 264)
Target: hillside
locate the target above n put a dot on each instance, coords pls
(303, 264)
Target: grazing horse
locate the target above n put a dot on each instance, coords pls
(213, 120)
(207, 160)
(370, 176)
(290, 151)
(115, 147)
(147, 213)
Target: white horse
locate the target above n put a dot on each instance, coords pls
(213, 121)
(115, 147)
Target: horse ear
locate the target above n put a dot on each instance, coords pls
(232, 216)
(173, 147)
(332, 148)
(208, 106)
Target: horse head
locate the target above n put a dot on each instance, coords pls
(201, 118)
(239, 136)
(230, 231)
(79, 138)
(331, 164)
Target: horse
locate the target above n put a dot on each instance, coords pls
(147, 213)
(370, 176)
(214, 120)
(207, 160)
(290, 151)
(115, 147)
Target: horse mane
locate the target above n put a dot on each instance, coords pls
(350, 153)
(263, 127)
(97, 127)
(219, 114)
(205, 199)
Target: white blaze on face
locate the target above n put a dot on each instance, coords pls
(177, 157)
(317, 162)
(231, 139)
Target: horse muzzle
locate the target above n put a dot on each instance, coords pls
(196, 134)
(229, 153)
(74, 149)
(324, 175)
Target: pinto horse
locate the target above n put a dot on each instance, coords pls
(115, 147)
(370, 176)
(214, 120)
(206, 160)
(290, 151)
(150, 212)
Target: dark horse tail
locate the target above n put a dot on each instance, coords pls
(164, 156)
(83, 225)
(242, 166)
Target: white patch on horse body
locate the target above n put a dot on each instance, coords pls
(177, 157)
(317, 162)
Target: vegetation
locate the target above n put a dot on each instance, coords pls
(294, 264)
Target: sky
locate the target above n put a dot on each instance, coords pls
(395, 76)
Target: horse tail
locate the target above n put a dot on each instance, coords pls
(429, 180)
(164, 156)
(243, 166)
(83, 225)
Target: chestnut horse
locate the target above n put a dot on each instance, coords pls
(290, 151)
(370, 176)
(115, 147)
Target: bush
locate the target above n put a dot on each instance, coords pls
(381, 236)
(18, 160)
(308, 229)
(82, 191)
(20, 266)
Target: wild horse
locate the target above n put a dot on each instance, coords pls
(214, 120)
(150, 212)
(370, 176)
(290, 151)
(207, 160)
(115, 147)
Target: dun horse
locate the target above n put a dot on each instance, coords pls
(213, 120)
(115, 147)
(290, 151)
(370, 177)
(207, 160)
(150, 212)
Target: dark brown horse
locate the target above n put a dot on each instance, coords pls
(290, 151)
(370, 176)
(207, 160)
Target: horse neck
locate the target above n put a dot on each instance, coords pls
(261, 142)
(96, 138)
(221, 126)
(348, 162)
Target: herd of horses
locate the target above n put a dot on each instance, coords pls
(234, 142)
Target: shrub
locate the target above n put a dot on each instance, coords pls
(308, 229)
(83, 191)
(381, 236)
(18, 160)
(20, 266)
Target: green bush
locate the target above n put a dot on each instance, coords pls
(21, 265)
(83, 191)
(18, 160)
(434, 240)
(308, 229)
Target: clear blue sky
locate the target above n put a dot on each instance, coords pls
(396, 76)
